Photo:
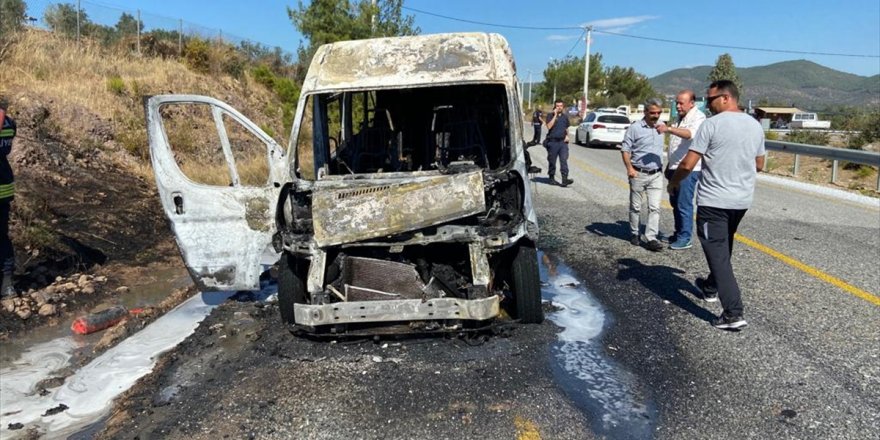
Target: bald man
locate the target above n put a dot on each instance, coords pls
(681, 133)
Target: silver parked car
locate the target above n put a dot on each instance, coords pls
(402, 196)
(600, 128)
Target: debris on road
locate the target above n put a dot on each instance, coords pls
(99, 321)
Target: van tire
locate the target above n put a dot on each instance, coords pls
(525, 283)
(291, 288)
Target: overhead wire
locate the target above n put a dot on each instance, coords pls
(620, 34)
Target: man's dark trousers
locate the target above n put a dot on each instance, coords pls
(716, 228)
(557, 149)
(537, 137)
(7, 257)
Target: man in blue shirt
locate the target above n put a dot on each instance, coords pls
(557, 144)
(642, 151)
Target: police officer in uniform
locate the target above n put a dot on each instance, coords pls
(557, 144)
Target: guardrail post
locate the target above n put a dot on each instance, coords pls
(878, 181)
(834, 171)
(797, 164)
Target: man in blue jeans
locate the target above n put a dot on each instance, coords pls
(682, 200)
(731, 146)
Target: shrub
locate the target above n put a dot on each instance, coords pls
(264, 76)
(868, 126)
(864, 171)
(808, 137)
(116, 85)
(268, 130)
(197, 55)
(771, 136)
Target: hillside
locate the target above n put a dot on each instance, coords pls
(85, 193)
(800, 83)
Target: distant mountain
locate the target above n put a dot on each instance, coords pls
(801, 83)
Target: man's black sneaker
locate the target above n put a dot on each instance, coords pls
(566, 181)
(710, 293)
(534, 170)
(634, 240)
(654, 246)
(727, 322)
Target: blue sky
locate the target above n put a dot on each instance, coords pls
(842, 27)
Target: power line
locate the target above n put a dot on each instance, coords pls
(511, 26)
(662, 40)
(576, 42)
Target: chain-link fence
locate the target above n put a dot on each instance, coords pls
(143, 32)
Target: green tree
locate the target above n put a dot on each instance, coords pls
(61, 18)
(725, 69)
(567, 76)
(626, 83)
(12, 15)
(328, 21)
(128, 25)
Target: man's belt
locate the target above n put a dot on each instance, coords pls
(645, 171)
(555, 139)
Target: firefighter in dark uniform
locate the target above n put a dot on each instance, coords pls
(7, 192)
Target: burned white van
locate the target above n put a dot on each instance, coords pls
(402, 196)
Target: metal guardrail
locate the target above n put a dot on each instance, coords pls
(834, 154)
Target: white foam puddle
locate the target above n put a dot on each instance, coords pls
(593, 381)
(88, 393)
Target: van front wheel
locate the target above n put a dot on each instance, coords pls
(525, 283)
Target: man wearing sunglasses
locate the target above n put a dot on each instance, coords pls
(731, 146)
(642, 151)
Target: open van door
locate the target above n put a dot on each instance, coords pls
(219, 177)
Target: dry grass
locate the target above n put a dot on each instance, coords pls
(108, 85)
(818, 171)
(252, 171)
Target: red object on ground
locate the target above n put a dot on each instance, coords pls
(98, 321)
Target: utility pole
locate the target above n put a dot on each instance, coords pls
(553, 66)
(530, 89)
(139, 32)
(77, 22)
(373, 19)
(587, 71)
(522, 91)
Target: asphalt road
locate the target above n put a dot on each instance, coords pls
(808, 366)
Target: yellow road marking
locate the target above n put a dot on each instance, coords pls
(809, 270)
(871, 298)
(526, 429)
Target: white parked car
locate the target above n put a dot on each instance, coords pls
(601, 128)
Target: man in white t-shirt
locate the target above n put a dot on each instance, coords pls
(682, 200)
(731, 146)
